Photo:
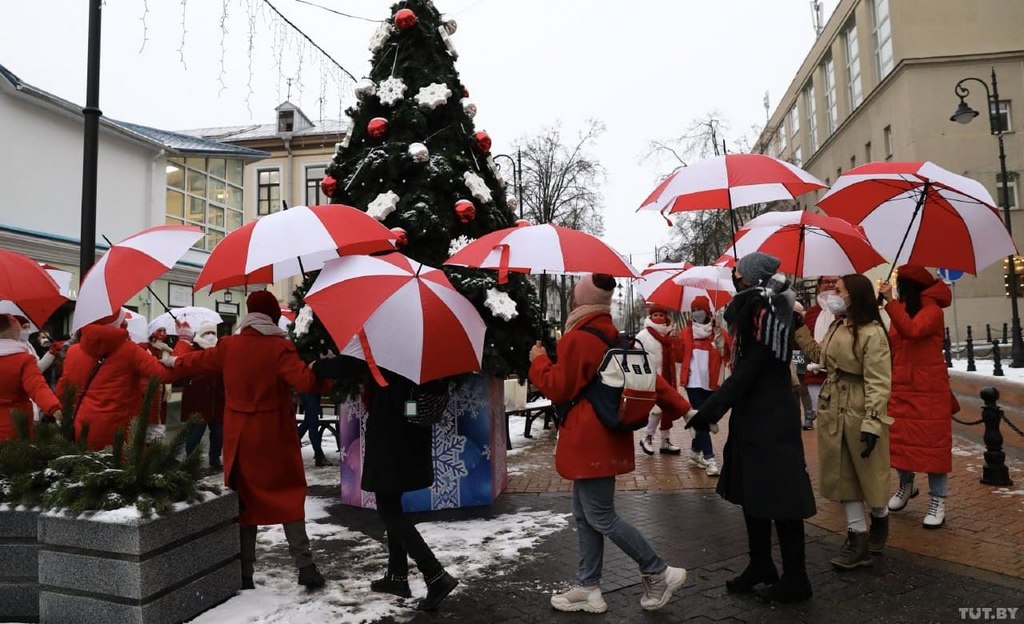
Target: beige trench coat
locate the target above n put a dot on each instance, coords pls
(853, 399)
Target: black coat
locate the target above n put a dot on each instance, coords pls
(763, 467)
(398, 454)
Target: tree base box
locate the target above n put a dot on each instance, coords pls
(469, 450)
(116, 567)
(19, 585)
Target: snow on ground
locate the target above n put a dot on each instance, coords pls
(518, 457)
(471, 550)
(985, 369)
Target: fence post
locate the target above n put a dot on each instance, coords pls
(995, 471)
(997, 365)
(988, 332)
(970, 352)
(947, 349)
(1004, 333)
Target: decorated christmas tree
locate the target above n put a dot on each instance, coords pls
(413, 159)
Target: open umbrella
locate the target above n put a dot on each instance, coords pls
(545, 248)
(26, 285)
(138, 327)
(193, 315)
(62, 277)
(919, 213)
(808, 244)
(660, 267)
(400, 315)
(678, 289)
(290, 242)
(128, 267)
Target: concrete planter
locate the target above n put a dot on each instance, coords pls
(19, 587)
(113, 568)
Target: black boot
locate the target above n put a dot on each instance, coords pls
(310, 577)
(761, 569)
(794, 586)
(392, 584)
(437, 590)
(878, 534)
(247, 583)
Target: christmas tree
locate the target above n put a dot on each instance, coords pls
(413, 159)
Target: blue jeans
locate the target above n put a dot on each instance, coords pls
(216, 441)
(937, 482)
(593, 506)
(310, 421)
(701, 439)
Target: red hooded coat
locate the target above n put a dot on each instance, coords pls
(921, 438)
(586, 448)
(21, 381)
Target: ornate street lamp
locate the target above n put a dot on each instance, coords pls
(517, 175)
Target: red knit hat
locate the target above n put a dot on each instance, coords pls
(264, 302)
(917, 274)
(701, 303)
(657, 308)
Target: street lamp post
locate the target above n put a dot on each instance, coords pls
(517, 175)
(965, 114)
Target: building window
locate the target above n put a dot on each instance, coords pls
(794, 122)
(782, 137)
(853, 162)
(207, 193)
(1011, 188)
(285, 121)
(831, 106)
(887, 140)
(883, 39)
(867, 152)
(314, 175)
(812, 122)
(839, 172)
(268, 193)
(798, 159)
(1005, 121)
(853, 86)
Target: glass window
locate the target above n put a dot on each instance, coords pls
(172, 221)
(196, 197)
(234, 220)
(1011, 191)
(197, 182)
(794, 122)
(268, 198)
(218, 168)
(315, 196)
(887, 139)
(234, 197)
(1005, 122)
(798, 159)
(812, 117)
(236, 171)
(285, 121)
(218, 191)
(853, 86)
(883, 39)
(176, 176)
(196, 209)
(212, 238)
(196, 163)
(215, 216)
(782, 137)
(831, 106)
(175, 204)
(853, 162)
(867, 152)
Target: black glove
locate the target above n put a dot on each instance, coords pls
(869, 440)
(798, 320)
(699, 422)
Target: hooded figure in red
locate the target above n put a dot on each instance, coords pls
(20, 380)
(660, 342)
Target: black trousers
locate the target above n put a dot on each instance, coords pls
(404, 540)
(791, 543)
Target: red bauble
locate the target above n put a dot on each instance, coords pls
(401, 237)
(328, 186)
(465, 92)
(522, 223)
(483, 141)
(377, 127)
(465, 210)
(405, 18)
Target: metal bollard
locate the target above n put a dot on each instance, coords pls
(995, 471)
(1004, 333)
(997, 365)
(947, 349)
(988, 332)
(970, 352)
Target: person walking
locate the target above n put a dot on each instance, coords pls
(157, 346)
(656, 338)
(817, 319)
(262, 459)
(203, 395)
(310, 402)
(21, 381)
(704, 346)
(398, 458)
(591, 455)
(921, 403)
(763, 467)
(853, 420)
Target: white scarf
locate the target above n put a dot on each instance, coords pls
(702, 330)
(261, 323)
(658, 327)
(825, 319)
(9, 346)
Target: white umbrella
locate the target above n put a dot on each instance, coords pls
(193, 315)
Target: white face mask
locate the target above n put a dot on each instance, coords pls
(206, 341)
(836, 304)
(23, 336)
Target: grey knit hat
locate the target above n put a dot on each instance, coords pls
(757, 267)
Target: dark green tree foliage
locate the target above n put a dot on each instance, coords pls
(428, 190)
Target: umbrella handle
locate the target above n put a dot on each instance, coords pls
(374, 369)
(155, 296)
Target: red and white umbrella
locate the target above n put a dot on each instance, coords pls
(400, 315)
(193, 315)
(138, 326)
(677, 290)
(545, 248)
(128, 267)
(919, 213)
(62, 277)
(659, 267)
(28, 287)
(808, 244)
(725, 260)
(291, 242)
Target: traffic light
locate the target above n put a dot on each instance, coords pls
(1018, 266)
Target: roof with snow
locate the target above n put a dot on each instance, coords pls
(256, 132)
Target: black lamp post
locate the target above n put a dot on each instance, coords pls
(965, 114)
(517, 175)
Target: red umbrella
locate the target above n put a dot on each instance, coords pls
(678, 289)
(28, 286)
(290, 242)
(400, 315)
(674, 267)
(546, 248)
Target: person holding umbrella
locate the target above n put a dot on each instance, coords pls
(659, 341)
(20, 380)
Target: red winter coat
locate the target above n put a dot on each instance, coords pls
(920, 403)
(201, 395)
(20, 382)
(810, 319)
(587, 449)
(157, 415)
(113, 399)
(687, 344)
(262, 460)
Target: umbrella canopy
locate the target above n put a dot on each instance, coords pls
(400, 315)
(919, 213)
(290, 242)
(673, 267)
(677, 290)
(193, 315)
(62, 277)
(138, 327)
(543, 248)
(725, 260)
(286, 319)
(128, 267)
(808, 244)
(26, 285)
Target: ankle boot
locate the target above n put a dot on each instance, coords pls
(878, 535)
(392, 584)
(794, 586)
(760, 569)
(310, 577)
(854, 552)
(753, 575)
(438, 589)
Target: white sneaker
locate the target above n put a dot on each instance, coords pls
(587, 599)
(667, 448)
(647, 445)
(658, 588)
(712, 467)
(902, 496)
(697, 459)
(936, 513)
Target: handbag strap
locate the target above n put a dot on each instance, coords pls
(88, 382)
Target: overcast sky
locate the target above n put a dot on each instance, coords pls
(645, 68)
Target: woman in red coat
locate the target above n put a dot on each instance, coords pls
(262, 459)
(921, 438)
(590, 454)
(20, 380)
(104, 368)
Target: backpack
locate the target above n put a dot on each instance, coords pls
(623, 391)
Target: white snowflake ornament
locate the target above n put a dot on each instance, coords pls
(500, 304)
(458, 243)
(379, 38)
(382, 206)
(434, 95)
(303, 320)
(448, 43)
(477, 187)
(391, 90)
